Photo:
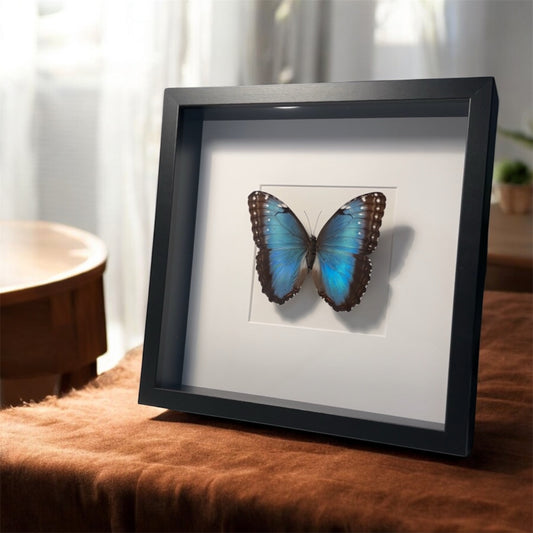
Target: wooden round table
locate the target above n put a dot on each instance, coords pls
(52, 317)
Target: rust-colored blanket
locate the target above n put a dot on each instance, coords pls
(95, 460)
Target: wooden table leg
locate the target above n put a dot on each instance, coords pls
(77, 379)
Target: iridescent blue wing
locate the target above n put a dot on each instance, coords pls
(342, 270)
(282, 244)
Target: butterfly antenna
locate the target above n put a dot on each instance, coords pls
(308, 221)
(316, 223)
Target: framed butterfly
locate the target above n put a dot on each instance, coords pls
(338, 257)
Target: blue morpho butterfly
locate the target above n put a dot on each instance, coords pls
(287, 253)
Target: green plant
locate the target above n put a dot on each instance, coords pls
(515, 172)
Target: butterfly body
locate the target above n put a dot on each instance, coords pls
(338, 257)
(310, 256)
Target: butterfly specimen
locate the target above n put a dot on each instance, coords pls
(338, 257)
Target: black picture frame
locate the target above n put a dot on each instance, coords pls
(185, 114)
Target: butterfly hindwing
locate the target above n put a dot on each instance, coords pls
(342, 269)
(282, 244)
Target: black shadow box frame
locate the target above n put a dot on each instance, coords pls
(213, 150)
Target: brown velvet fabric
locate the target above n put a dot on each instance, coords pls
(95, 460)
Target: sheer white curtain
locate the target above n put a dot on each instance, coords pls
(143, 49)
(286, 41)
(18, 39)
(81, 89)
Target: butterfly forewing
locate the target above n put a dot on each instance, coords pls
(343, 269)
(282, 244)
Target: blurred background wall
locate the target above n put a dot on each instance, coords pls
(81, 87)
